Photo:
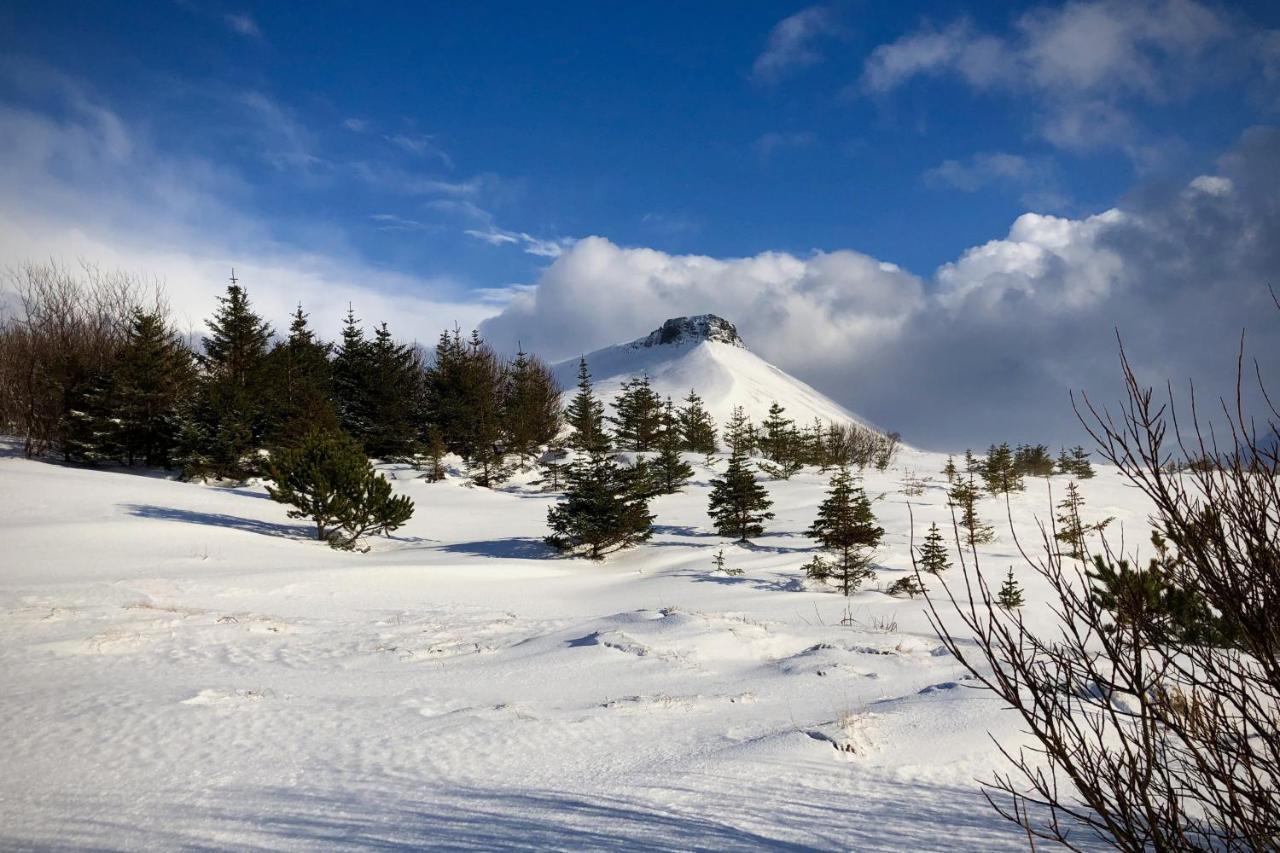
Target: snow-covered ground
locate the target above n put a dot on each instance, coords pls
(181, 667)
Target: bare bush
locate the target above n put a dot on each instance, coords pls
(1154, 704)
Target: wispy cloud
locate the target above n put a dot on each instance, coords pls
(356, 125)
(244, 25)
(792, 44)
(420, 145)
(496, 236)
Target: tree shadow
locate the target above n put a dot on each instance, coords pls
(682, 530)
(515, 548)
(218, 519)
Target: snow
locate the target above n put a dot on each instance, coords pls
(724, 375)
(182, 667)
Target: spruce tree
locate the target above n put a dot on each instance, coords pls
(908, 585)
(300, 396)
(482, 439)
(637, 416)
(599, 512)
(431, 456)
(585, 416)
(1071, 530)
(393, 376)
(670, 471)
(1010, 595)
(739, 434)
(846, 528)
(153, 377)
(1033, 460)
(963, 499)
(327, 478)
(933, 553)
(531, 406)
(739, 505)
(780, 445)
(232, 407)
(950, 471)
(999, 472)
(697, 430)
(971, 463)
(1081, 468)
(352, 372)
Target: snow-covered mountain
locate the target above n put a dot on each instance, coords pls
(706, 354)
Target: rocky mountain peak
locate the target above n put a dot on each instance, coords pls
(700, 327)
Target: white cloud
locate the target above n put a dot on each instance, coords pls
(243, 25)
(982, 169)
(495, 236)
(791, 43)
(1079, 61)
(420, 145)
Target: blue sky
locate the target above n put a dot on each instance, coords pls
(448, 154)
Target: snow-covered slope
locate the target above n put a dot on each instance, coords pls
(705, 354)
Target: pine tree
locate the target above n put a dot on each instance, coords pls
(1071, 530)
(1080, 465)
(739, 434)
(780, 444)
(431, 458)
(352, 372)
(327, 479)
(637, 415)
(846, 528)
(908, 585)
(971, 463)
(670, 471)
(232, 407)
(554, 463)
(481, 440)
(1010, 595)
(697, 430)
(531, 406)
(90, 427)
(585, 416)
(1033, 460)
(963, 499)
(950, 471)
(446, 382)
(300, 396)
(153, 377)
(739, 505)
(998, 471)
(599, 511)
(933, 553)
(393, 376)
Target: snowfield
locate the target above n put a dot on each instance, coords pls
(182, 667)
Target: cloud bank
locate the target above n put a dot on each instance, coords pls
(989, 346)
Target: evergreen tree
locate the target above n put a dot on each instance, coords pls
(599, 512)
(670, 471)
(739, 435)
(431, 458)
(846, 528)
(446, 390)
(963, 498)
(153, 377)
(908, 585)
(998, 471)
(739, 505)
(1071, 530)
(393, 376)
(697, 430)
(482, 440)
(933, 553)
(326, 478)
(950, 471)
(585, 416)
(1033, 460)
(299, 383)
(232, 409)
(1010, 594)
(554, 463)
(780, 443)
(352, 372)
(531, 406)
(90, 427)
(1081, 468)
(637, 416)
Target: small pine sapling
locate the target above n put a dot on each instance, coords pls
(1010, 595)
(908, 585)
(933, 553)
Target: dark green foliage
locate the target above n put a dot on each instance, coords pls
(721, 566)
(1070, 530)
(1156, 602)
(971, 463)
(1075, 462)
(697, 430)
(781, 445)
(950, 471)
(739, 434)
(1010, 595)
(998, 471)
(299, 381)
(637, 416)
(90, 430)
(378, 384)
(670, 471)
(231, 412)
(963, 499)
(467, 390)
(739, 505)
(327, 479)
(908, 585)
(585, 416)
(554, 463)
(933, 556)
(351, 369)
(1033, 460)
(431, 456)
(154, 377)
(531, 406)
(817, 569)
(846, 528)
(600, 510)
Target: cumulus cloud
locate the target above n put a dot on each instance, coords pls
(792, 44)
(988, 347)
(1080, 61)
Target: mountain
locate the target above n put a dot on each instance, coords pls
(706, 354)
